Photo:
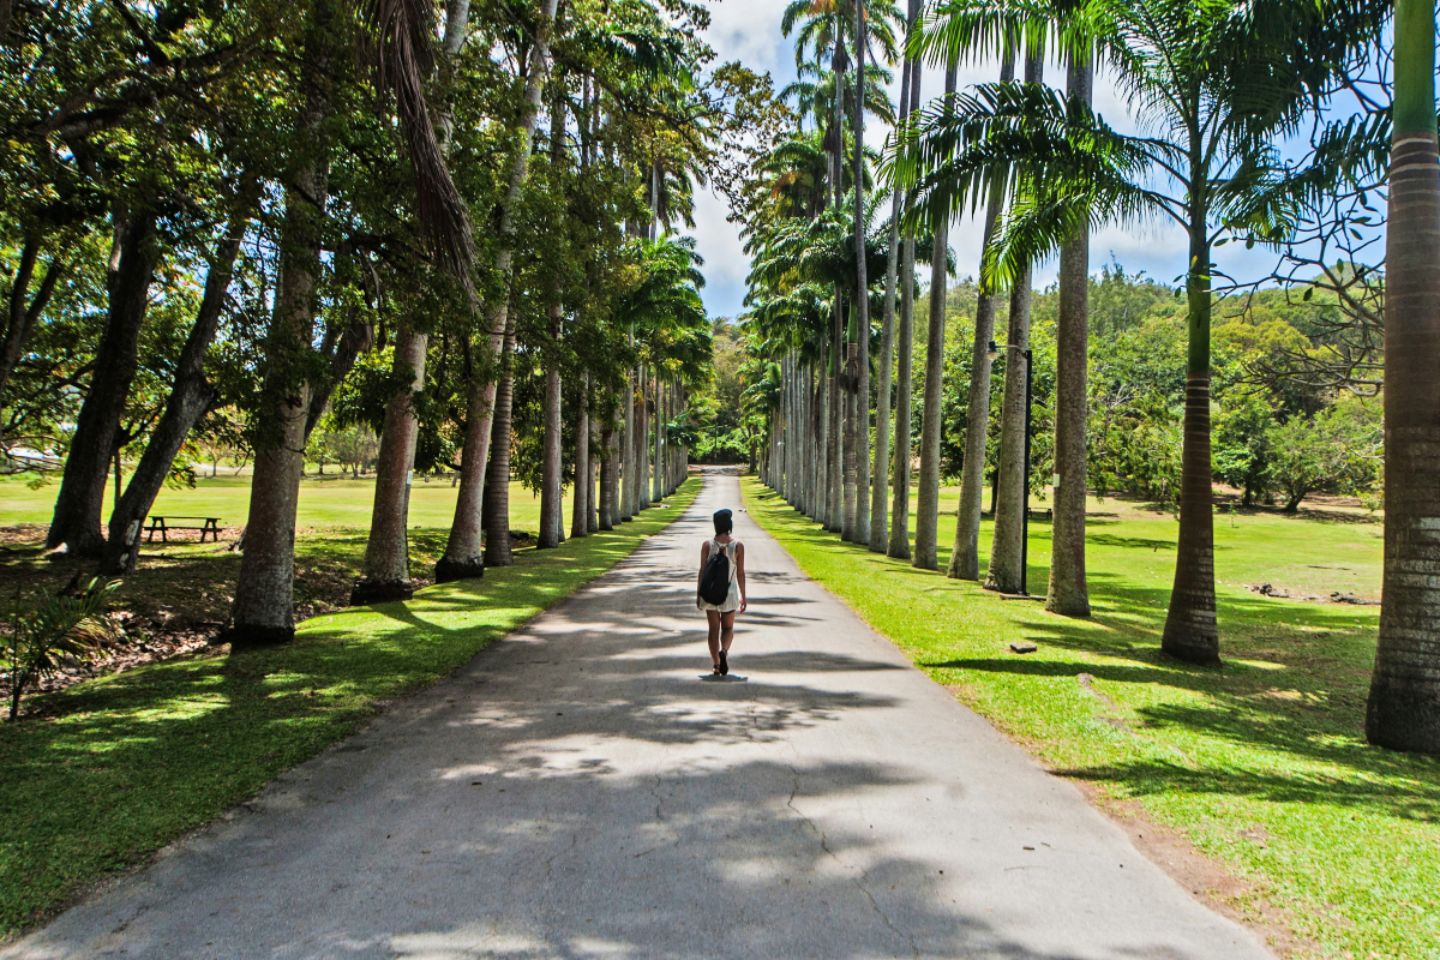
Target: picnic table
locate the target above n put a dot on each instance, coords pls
(164, 524)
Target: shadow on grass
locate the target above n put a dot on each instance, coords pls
(1293, 685)
(115, 767)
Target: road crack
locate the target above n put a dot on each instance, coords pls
(858, 881)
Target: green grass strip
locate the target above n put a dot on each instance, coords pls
(132, 761)
(1261, 764)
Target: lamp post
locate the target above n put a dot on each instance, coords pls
(994, 352)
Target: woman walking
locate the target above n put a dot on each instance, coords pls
(721, 613)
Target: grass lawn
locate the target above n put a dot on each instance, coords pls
(127, 763)
(185, 584)
(328, 502)
(1261, 764)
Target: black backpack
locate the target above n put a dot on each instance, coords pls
(715, 581)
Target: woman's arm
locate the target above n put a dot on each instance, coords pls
(740, 572)
(704, 555)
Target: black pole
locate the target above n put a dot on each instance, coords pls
(1025, 494)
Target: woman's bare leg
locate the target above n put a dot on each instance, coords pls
(713, 616)
(727, 630)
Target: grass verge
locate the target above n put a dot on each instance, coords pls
(129, 762)
(1334, 845)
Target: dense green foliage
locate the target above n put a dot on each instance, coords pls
(1279, 436)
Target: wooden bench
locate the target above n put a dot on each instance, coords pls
(163, 526)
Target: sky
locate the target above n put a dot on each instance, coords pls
(749, 31)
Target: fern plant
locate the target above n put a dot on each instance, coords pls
(64, 627)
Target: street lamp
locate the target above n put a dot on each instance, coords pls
(994, 351)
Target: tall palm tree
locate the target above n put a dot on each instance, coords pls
(880, 479)
(860, 382)
(965, 555)
(1221, 83)
(1404, 707)
(386, 574)
(899, 545)
(1068, 592)
(1007, 548)
(927, 504)
(463, 555)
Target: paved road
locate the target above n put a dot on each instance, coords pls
(577, 791)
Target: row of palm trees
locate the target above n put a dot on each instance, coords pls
(1216, 86)
(488, 191)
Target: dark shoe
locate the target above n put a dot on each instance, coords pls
(715, 670)
(724, 664)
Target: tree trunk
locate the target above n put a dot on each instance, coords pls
(552, 516)
(642, 441)
(552, 509)
(23, 310)
(190, 396)
(264, 609)
(463, 556)
(899, 546)
(880, 481)
(965, 557)
(1006, 572)
(609, 477)
(657, 482)
(627, 449)
(1069, 594)
(387, 552)
(1190, 630)
(836, 506)
(584, 484)
(81, 499)
(927, 510)
(862, 295)
(1007, 550)
(852, 433)
(1404, 705)
(497, 484)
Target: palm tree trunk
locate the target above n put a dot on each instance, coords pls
(850, 399)
(1190, 630)
(899, 546)
(927, 509)
(880, 481)
(584, 482)
(552, 516)
(81, 500)
(387, 552)
(497, 484)
(657, 483)
(1404, 705)
(463, 557)
(1007, 552)
(965, 558)
(862, 295)
(263, 612)
(625, 476)
(609, 476)
(1068, 593)
(836, 506)
(642, 441)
